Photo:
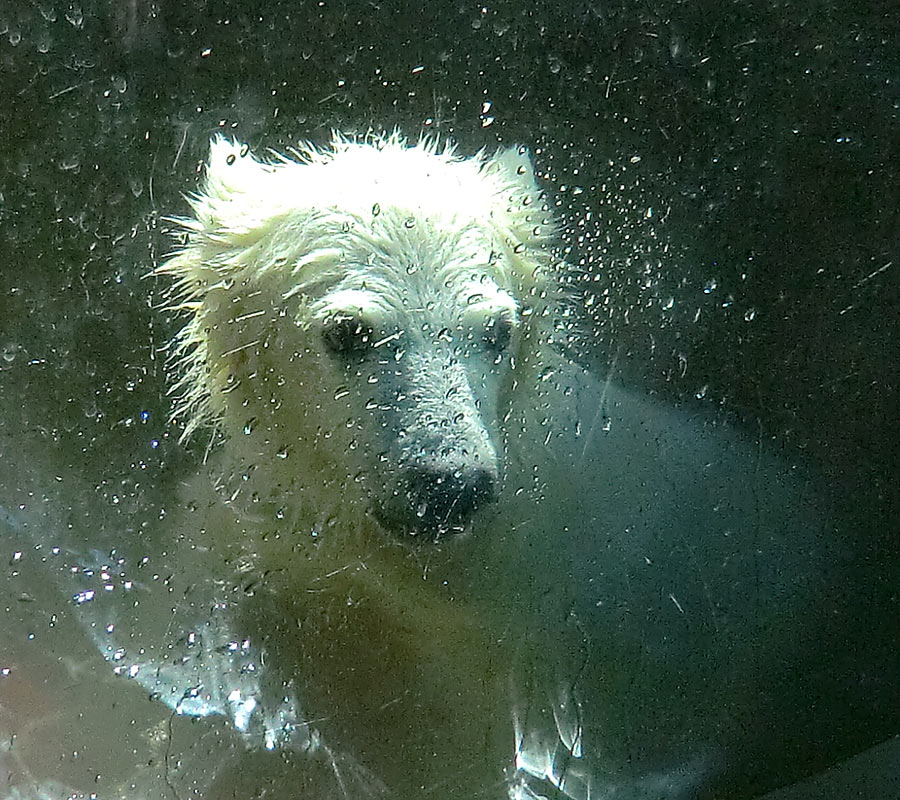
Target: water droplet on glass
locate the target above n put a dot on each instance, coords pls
(75, 16)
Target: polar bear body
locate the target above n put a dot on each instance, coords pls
(477, 567)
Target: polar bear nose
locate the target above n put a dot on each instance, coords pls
(442, 497)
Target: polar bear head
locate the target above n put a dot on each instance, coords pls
(360, 319)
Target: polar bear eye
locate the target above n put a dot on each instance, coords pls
(498, 333)
(346, 335)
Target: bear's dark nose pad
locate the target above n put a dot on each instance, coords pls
(444, 497)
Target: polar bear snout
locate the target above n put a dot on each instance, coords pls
(441, 460)
(439, 497)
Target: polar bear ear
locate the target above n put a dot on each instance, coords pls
(521, 209)
(514, 163)
(237, 189)
(231, 170)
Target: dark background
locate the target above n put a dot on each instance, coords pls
(727, 175)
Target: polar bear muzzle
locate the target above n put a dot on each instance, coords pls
(438, 498)
(442, 460)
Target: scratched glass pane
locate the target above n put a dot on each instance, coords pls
(489, 400)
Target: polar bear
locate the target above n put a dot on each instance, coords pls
(481, 572)
(361, 320)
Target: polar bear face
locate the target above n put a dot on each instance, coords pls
(360, 320)
(424, 361)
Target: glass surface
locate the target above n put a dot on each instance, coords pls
(627, 533)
